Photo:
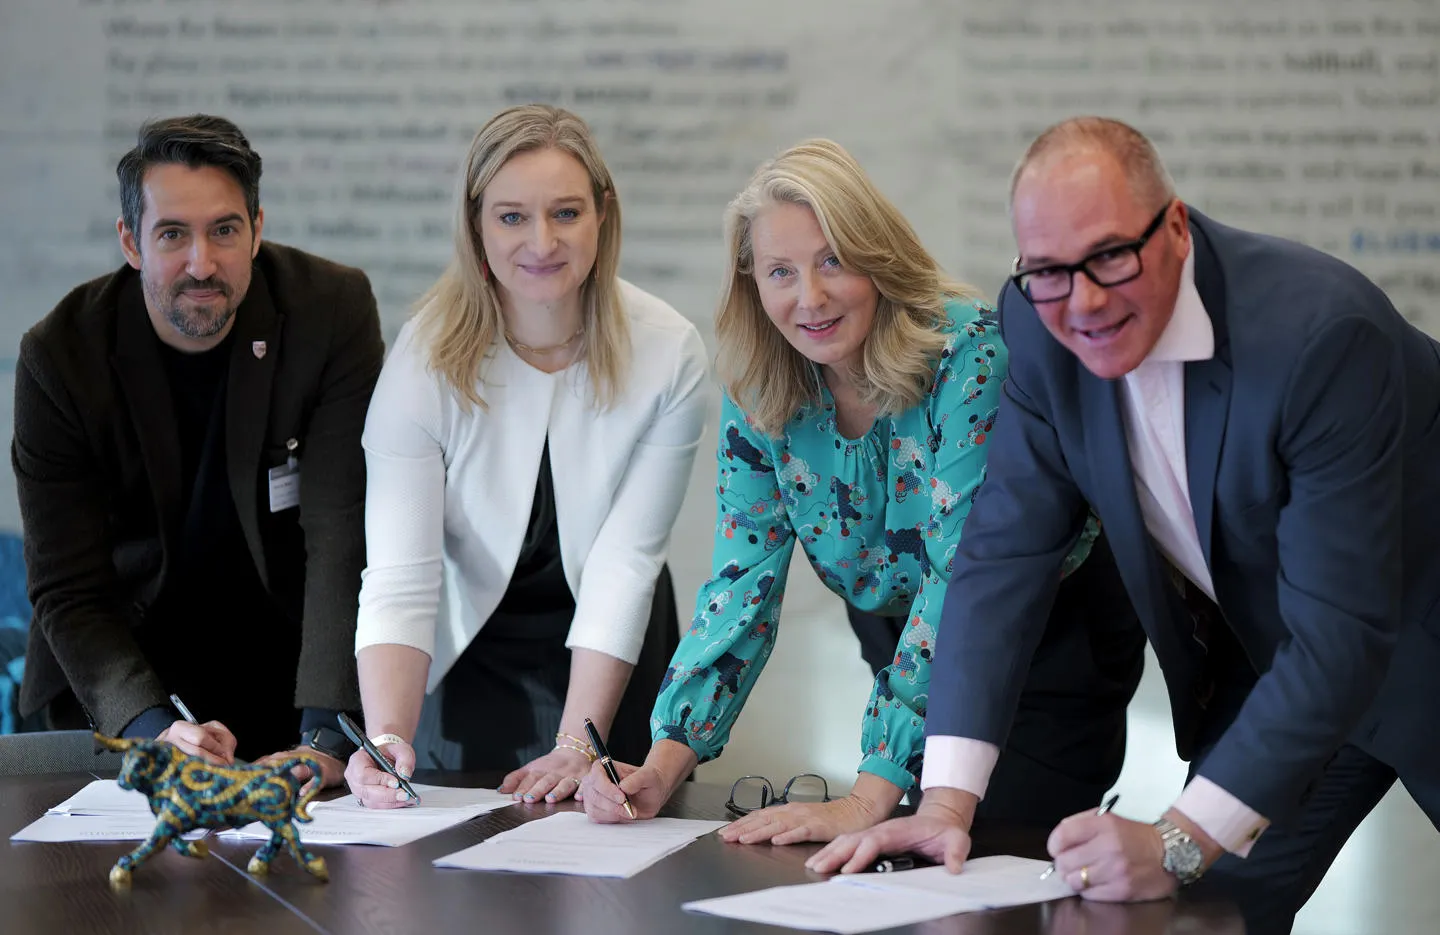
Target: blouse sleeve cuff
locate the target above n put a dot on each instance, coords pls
(703, 751)
(888, 770)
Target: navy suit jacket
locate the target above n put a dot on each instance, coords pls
(1313, 451)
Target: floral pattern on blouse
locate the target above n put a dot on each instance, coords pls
(879, 517)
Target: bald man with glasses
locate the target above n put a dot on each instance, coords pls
(1258, 430)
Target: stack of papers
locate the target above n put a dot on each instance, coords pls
(569, 842)
(869, 901)
(346, 821)
(102, 811)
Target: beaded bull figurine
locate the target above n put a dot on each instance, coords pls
(187, 793)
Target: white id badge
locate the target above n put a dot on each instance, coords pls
(284, 487)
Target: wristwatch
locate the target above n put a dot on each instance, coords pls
(1183, 858)
(332, 743)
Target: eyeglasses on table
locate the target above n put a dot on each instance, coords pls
(752, 793)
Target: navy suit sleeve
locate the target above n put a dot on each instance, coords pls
(1025, 520)
(1340, 567)
(150, 723)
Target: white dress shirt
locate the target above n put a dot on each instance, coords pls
(1154, 410)
(448, 492)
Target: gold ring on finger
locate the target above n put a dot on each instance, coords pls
(1085, 878)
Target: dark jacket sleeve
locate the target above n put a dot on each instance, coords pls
(332, 502)
(1026, 518)
(69, 552)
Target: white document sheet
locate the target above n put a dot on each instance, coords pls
(570, 843)
(992, 882)
(61, 829)
(831, 907)
(101, 811)
(346, 821)
(871, 901)
(103, 797)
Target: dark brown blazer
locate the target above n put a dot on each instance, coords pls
(97, 462)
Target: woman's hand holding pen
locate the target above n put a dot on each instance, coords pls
(553, 777)
(647, 787)
(644, 786)
(373, 786)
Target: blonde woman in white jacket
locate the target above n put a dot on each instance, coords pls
(528, 447)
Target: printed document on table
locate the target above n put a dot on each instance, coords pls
(62, 829)
(346, 821)
(103, 797)
(867, 902)
(992, 882)
(570, 843)
(830, 907)
(102, 811)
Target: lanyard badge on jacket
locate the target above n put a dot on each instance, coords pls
(285, 480)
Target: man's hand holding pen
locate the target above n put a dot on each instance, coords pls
(211, 741)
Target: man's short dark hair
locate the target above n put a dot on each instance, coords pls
(195, 141)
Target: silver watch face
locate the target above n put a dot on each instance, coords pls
(1183, 858)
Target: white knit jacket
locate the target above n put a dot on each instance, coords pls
(449, 493)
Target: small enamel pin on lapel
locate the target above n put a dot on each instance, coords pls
(258, 347)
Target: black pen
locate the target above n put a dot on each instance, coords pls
(893, 864)
(606, 763)
(1105, 807)
(357, 737)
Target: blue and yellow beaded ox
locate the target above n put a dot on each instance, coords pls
(186, 794)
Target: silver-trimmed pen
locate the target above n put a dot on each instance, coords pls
(184, 711)
(1104, 807)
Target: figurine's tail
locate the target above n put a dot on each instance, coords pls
(313, 786)
(301, 814)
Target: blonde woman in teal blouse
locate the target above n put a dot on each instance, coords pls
(861, 386)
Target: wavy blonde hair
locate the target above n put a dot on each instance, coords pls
(760, 370)
(460, 315)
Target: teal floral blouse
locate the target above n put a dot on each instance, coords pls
(879, 518)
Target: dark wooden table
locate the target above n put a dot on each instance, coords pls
(60, 889)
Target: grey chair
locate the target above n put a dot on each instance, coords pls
(55, 751)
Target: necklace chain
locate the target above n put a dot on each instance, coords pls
(543, 350)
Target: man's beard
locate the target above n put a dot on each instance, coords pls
(194, 321)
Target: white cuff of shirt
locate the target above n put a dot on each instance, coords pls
(958, 763)
(1234, 825)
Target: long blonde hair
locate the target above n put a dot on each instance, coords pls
(460, 315)
(760, 370)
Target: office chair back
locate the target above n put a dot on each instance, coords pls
(55, 751)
